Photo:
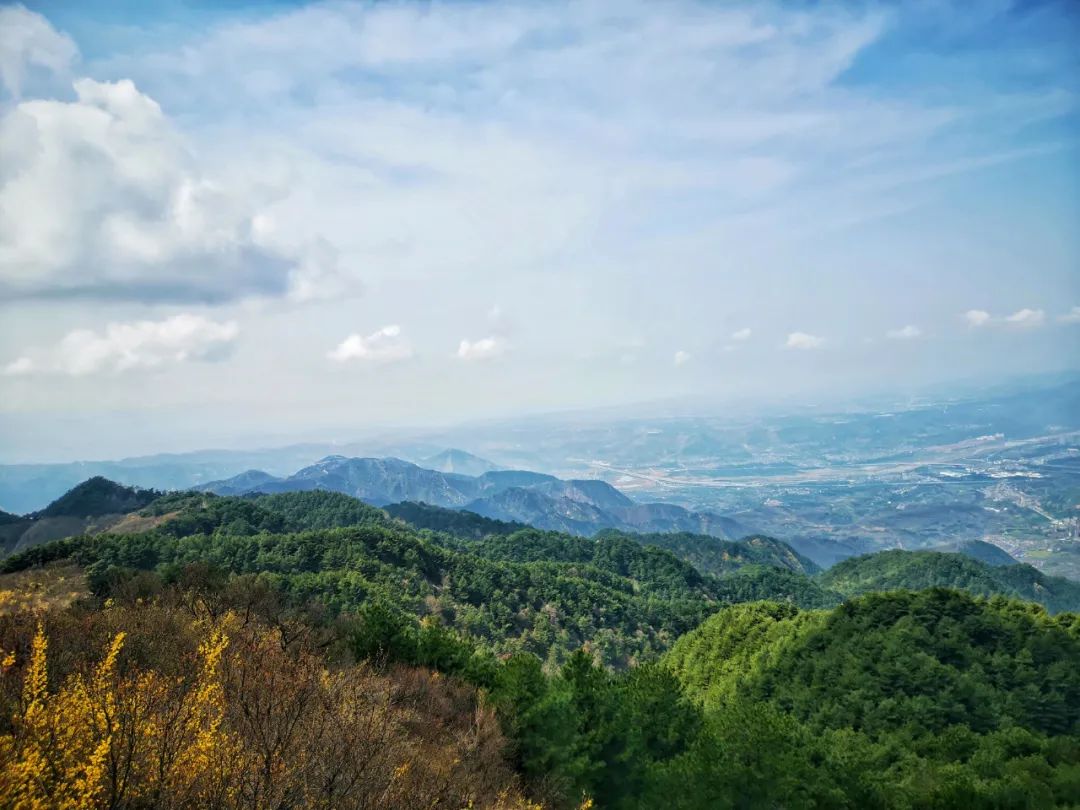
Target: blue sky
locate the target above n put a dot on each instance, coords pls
(231, 220)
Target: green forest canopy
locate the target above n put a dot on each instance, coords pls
(892, 700)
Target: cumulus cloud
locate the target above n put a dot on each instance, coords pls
(383, 346)
(741, 334)
(681, 358)
(130, 346)
(977, 317)
(482, 349)
(908, 332)
(802, 340)
(1072, 316)
(102, 197)
(27, 41)
(1026, 317)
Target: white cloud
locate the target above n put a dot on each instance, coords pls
(802, 340)
(28, 41)
(1026, 317)
(741, 334)
(384, 346)
(977, 317)
(19, 367)
(467, 106)
(102, 197)
(1072, 316)
(681, 358)
(482, 349)
(136, 345)
(908, 332)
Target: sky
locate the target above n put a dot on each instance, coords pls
(222, 222)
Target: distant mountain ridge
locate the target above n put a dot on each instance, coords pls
(29, 487)
(247, 481)
(581, 507)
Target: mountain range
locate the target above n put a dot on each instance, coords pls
(580, 507)
(755, 567)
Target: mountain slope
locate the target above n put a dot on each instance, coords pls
(883, 660)
(585, 507)
(534, 508)
(247, 481)
(378, 481)
(542, 607)
(529, 590)
(98, 496)
(94, 505)
(927, 699)
(916, 570)
(979, 550)
(458, 522)
(714, 556)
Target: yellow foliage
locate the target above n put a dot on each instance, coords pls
(105, 737)
(148, 706)
(40, 589)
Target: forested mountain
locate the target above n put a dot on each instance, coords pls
(458, 522)
(756, 567)
(584, 507)
(915, 570)
(715, 556)
(930, 699)
(539, 591)
(755, 582)
(247, 481)
(94, 505)
(99, 496)
(609, 678)
(979, 550)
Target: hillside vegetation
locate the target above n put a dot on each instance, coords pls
(891, 700)
(539, 592)
(714, 556)
(316, 622)
(915, 570)
(96, 504)
(457, 522)
(185, 703)
(99, 496)
(979, 550)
